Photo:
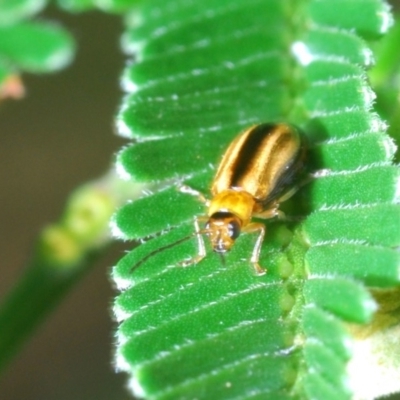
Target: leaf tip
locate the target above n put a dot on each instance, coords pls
(116, 230)
(386, 18)
(136, 388)
(123, 128)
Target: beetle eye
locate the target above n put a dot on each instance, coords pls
(234, 229)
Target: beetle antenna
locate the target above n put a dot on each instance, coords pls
(167, 246)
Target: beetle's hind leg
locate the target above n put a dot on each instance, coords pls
(274, 211)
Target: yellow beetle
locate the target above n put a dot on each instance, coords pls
(256, 173)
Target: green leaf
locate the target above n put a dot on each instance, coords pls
(322, 327)
(112, 6)
(343, 297)
(346, 15)
(143, 216)
(76, 5)
(12, 11)
(116, 6)
(349, 224)
(35, 47)
(204, 71)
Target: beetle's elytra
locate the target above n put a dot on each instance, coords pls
(256, 173)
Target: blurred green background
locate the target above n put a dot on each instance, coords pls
(59, 136)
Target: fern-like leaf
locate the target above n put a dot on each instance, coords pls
(203, 71)
(29, 46)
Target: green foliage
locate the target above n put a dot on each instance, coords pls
(13, 11)
(114, 6)
(35, 47)
(30, 46)
(203, 72)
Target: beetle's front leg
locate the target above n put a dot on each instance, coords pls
(201, 248)
(255, 255)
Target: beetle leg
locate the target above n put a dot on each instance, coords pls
(272, 212)
(255, 255)
(193, 192)
(201, 248)
(287, 195)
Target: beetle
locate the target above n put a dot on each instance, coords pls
(257, 172)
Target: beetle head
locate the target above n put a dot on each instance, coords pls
(223, 228)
